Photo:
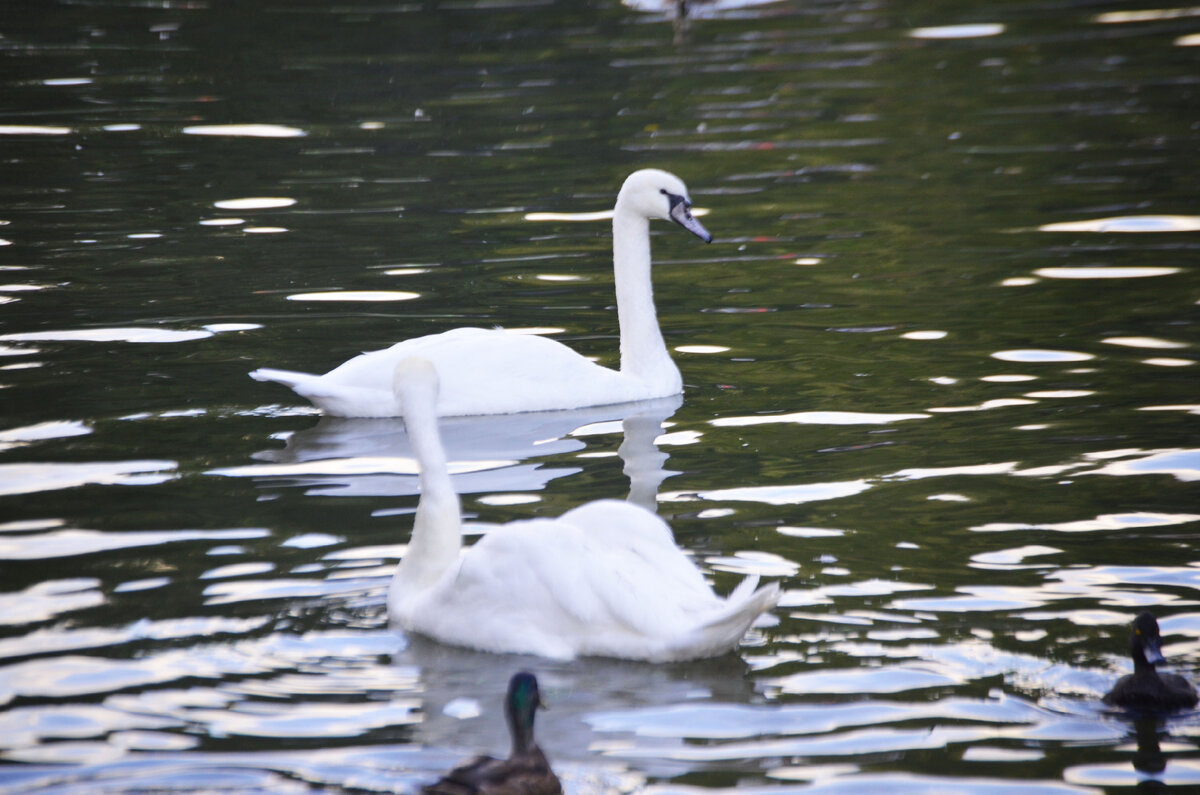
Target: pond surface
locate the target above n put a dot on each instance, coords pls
(941, 368)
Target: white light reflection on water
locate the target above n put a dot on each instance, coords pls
(1182, 464)
(968, 31)
(33, 129)
(136, 334)
(1148, 15)
(701, 348)
(44, 601)
(245, 130)
(300, 720)
(1176, 774)
(987, 405)
(1112, 521)
(1129, 224)
(1039, 356)
(1144, 342)
(254, 203)
(1059, 394)
(773, 495)
(68, 542)
(816, 418)
(61, 638)
(58, 429)
(1106, 272)
(1190, 408)
(34, 477)
(355, 295)
(1013, 557)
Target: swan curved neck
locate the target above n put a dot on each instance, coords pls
(644, 354)
(437, 528)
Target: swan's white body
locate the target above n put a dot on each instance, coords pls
(604, 579)
(492, 371)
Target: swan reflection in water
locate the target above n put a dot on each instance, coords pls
(372, 457)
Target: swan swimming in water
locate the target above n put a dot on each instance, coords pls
(604, 579)
(492, 371)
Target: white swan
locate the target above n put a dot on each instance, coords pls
(491, 371)
(604, 579)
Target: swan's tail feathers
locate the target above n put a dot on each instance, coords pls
(288, 378)
(324, 396)
(742, 608)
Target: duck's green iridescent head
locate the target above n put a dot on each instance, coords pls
(523, 695)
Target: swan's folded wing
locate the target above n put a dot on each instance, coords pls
(637, 536)
(625, 577)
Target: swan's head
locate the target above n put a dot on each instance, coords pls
(660, 194)
(415, 382)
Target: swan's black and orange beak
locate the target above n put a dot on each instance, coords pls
(681, 213)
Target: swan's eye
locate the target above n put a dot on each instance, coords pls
(675, 199)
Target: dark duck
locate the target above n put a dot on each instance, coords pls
(525, 771)
(1146, 689)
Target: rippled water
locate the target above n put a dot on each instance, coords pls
(940, 366)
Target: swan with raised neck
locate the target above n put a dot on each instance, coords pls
(492, 371)
(604, 579)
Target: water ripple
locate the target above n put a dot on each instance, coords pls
(817, 418)
(59, 429)
(71, 542)
(245, 130)
(47, 599)
(1112, 521)
(1129, 224)
(30, 478)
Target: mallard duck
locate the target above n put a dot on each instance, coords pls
(604, 579)
(1145, 688)
(493, 371)
(525, 771)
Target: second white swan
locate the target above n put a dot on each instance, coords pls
(491, 371)
(604, 579)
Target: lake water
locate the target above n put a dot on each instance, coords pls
(941, 368)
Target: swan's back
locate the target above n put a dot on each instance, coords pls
(482, 371)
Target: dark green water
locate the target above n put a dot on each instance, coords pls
(964, 437)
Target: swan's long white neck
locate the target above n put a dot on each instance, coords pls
(643, 352)
(437, 528)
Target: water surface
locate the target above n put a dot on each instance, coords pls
(940, 364)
